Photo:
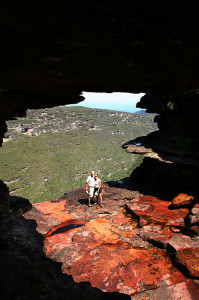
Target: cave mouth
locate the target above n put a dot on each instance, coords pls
(93, 131)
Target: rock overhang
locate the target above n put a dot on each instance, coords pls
(51, 52)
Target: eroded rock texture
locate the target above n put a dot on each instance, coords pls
(26, 273)
(127, 246)
(171, 161)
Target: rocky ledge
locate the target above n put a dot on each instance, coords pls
(135, 245)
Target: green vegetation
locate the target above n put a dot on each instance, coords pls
(53, 150)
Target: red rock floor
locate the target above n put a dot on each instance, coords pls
(126, 246)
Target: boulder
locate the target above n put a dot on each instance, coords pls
(188, 259)
(182, 200)
(194, 216)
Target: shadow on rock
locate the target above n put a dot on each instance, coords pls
(26, 273)
(83, 201)
(145, 189)
(184, 230)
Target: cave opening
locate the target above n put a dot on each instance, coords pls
(51, 150)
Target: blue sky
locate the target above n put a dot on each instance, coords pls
(114, 101)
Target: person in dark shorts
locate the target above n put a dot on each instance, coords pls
(98, 189)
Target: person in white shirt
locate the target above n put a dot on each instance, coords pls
(90, 187)
(98, 189)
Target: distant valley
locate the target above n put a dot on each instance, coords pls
(52, 151)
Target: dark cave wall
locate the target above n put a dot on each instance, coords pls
(172, 166)
(165, 180)
(52, 51)
(177, 120)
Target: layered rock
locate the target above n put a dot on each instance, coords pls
(171, 154)
(127, 246)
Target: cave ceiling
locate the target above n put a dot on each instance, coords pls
(51, 51)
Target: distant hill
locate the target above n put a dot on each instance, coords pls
(52, 151)
(142, 111)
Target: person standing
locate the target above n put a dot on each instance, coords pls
(90, 187)
(98, 189)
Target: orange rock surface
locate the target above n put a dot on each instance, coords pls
(189, 259)
(181, 200)
(101, 254)
(115, 247)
